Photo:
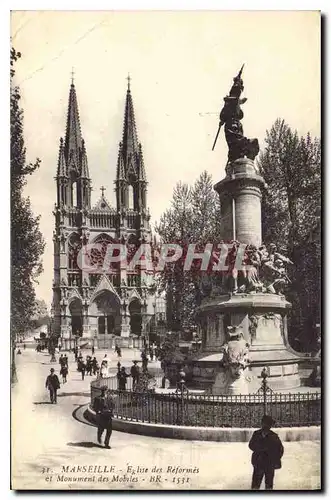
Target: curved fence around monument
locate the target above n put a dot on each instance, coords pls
(184, 408)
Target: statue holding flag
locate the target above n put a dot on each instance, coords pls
(230, 116)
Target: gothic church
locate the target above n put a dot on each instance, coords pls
(102, 306)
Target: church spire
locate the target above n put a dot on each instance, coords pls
(130, 163)
(73, 137)
(72, 173)
(129, 140)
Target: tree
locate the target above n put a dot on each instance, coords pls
(291, 210)
(193, 218)
(27, 243)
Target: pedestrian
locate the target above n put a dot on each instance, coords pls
(88, 365)
(64, 373)
(65, 357)
(79, 362)
(151, 353)
(267, 453)
(144, 359)
(104, 369)
(119, 352)
(19, 351)
(52, 384)
(82, 369)
(61, 360)
(92, 350)
(24, 346)
(104, 407)
(122, 379)
(94, 365)
(135, 372)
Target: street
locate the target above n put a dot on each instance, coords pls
(51, 449)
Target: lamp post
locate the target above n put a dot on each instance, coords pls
(180, 394)
(265, 389)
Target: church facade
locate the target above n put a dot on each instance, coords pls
(100, 304)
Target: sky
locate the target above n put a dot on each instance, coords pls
(181, 66)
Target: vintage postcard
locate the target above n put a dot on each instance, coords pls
(165, 250)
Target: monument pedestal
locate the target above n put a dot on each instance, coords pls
(262, 320)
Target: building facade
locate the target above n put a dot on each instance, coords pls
(100, 304)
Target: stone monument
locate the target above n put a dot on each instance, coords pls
(243, 313)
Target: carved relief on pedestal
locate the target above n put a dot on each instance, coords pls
(266, 328)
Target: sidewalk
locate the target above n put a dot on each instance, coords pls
(47, 436)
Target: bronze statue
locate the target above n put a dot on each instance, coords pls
(274, 269)
(230, 116)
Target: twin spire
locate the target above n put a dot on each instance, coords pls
(72, 154)
(130, 163)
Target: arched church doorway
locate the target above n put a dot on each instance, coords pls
(75, 309)
(135, 317)
(106, 311)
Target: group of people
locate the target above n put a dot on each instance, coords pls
(150, 353)
(89, 366)
(122, 376)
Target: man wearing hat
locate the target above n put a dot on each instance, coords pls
(103, 407)
(135, 373)
(267, 453)
(52, 384)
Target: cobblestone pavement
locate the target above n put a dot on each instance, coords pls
(49, 445)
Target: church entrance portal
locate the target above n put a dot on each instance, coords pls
(105, 318)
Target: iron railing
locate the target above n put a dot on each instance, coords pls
(185, 408)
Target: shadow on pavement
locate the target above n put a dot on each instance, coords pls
(42, 403)
(85, 444)
(63, 394)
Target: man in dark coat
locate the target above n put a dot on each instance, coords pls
(52, 384)
(135, 372)
(267, 453)
(94, 365)
(121, 377)
(88, 365)
(103, 408)
(82, 368)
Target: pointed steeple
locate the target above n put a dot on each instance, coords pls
(74, 183)
(73, 138)
(130, 164)
(129, 140)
